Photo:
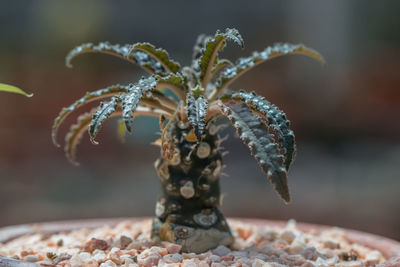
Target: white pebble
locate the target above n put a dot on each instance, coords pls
(31, 258)
(297, 246)
(108, 263)
(85, 256)
(76, 260)
(100, 256)
(189, 263)
(350, 264)
(114, 250)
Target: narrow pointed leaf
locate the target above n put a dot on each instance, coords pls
(196, 111)
(131, 100)
(259, 137)
(123, 51)
(121, 130)
(158, 54)
(198, 49)
(12, 89)
(214, 45)
(105, 110)
(74, 136)
(276, 119)
(244, 64)
(89, 97)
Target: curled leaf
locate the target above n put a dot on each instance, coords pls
(123, 51)
(74, 136)
(198, 50)
(131, 100)
(105, 111)
(276, 119)
(244, 64)
(259, 137)
(212, 46)
(158, 54)
(12, 89)
(89, 97)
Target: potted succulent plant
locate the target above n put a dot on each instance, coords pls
(188, 218)
(187, 211)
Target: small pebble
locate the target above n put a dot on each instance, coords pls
(96, 244)
(125, 241)
(258, 263)
(31, 258)
(108, 263)
(85, 257)
(214, 258)
(171, 247)
(128, 245)
(288, 236)
(189, 263)
(177, 257)
(221, 251)
(350, 264)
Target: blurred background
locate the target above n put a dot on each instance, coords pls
(345, 116)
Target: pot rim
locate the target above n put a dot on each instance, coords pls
(388, 247)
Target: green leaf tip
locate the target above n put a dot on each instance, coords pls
(209, 53)
(12, 89)
(158, 54)
(198, 91)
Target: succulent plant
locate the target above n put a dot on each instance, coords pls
(12, 89)
(187, 211)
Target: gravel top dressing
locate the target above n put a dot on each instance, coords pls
(128, 244)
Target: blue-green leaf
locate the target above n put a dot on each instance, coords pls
(275, 118)
(131, 100)
(209, 54)
(196, 111)
(259, 137)
(158, 54)
(140, 58)
(74, 136)
(89, 97)
(105, 110)
(244, 64)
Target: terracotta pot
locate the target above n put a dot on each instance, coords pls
(388, 247)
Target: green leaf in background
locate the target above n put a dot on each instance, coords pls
(12, 89)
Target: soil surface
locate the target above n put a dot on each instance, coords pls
(128, 244)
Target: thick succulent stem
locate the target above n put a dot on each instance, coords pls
(187, 211)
